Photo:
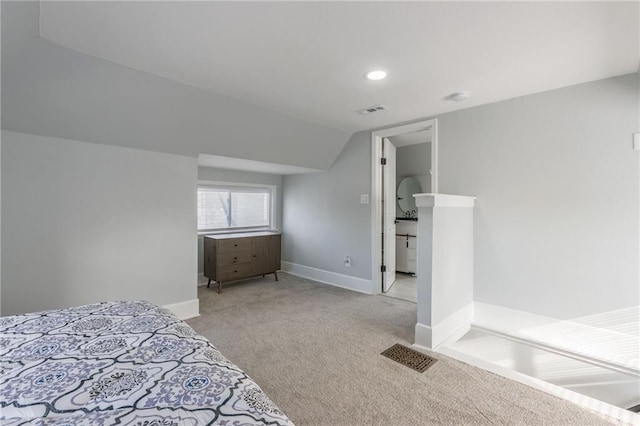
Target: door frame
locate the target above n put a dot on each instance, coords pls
(389, 206)
(377, 217)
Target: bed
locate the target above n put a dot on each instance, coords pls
(121, 363)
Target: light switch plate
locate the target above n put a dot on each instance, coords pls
(636, 141)
(364, 198)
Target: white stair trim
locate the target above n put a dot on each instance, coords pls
(526, 328)
(446, 331)
(593, 404)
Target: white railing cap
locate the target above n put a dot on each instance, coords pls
(443, 200)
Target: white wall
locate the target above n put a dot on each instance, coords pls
(445, 271)
(220, 175)
(0, 223)
(557, 215)
(50, 90)
(323, 220)
(0, 175)
(83, 223)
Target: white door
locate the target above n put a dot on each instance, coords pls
(389, 214)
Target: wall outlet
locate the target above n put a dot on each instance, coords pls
(636, 141)
(364, 198)
(347, 261)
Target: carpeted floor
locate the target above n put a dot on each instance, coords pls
(315, 350)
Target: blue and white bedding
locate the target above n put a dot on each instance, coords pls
(121, 363)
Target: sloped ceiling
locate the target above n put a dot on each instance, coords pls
(307, 58)
(279, 82)
(54, 91)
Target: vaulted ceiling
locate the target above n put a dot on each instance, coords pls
(307, 59)
(280, 82)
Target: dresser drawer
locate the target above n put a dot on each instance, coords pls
(230, 257)
(234, 257)
(233, 272)
(235, 244)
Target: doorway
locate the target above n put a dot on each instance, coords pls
(385, 209)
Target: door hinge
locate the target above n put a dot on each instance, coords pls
(383, 268)
(383, 161)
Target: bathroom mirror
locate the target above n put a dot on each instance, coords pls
(408, 186)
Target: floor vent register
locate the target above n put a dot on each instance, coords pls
(409, 357)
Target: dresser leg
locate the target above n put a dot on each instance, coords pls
(219, 287)
(276, 275)
(209, 283)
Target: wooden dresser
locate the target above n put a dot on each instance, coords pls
(229, 257)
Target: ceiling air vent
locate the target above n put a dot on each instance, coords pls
(369, 110)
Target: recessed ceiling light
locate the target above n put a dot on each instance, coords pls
(458, 96)
(375, 75)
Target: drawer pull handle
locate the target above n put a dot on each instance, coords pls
(235, 272)
(235, 258)
(235, 245)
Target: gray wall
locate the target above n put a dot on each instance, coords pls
(557, 216)
(208, 173)
(83, 223)
(54, 91)
(557, 219)
(0, 184)
(414, 160)
(323, 220)
(0, 223)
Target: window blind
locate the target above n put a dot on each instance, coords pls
(233, 207)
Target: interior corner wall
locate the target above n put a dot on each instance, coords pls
(557, 184)
(323, 220)
(239, 176)
(84, 223)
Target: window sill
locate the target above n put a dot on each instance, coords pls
(201, 234)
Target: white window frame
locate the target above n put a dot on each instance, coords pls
(273, 189)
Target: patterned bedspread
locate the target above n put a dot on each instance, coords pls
(121, 363)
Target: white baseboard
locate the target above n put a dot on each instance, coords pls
(563, 393)
(185, 310)
(326, 277)
(446, 331)
(202, 281)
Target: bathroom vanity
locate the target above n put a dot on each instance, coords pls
(406, 244)
(407, 225)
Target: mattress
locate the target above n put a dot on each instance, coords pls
(121, 363)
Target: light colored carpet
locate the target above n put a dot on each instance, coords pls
(315, 350)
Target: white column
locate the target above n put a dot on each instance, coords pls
(445, 268)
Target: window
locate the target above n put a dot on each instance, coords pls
(229, 206)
